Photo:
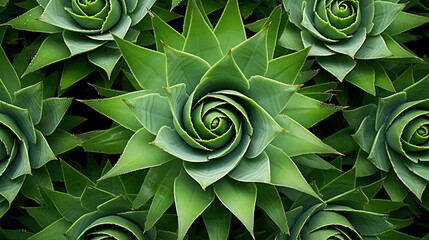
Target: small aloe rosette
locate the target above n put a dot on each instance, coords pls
(347, 212)
(395, 135)
(346, 34)
(90, 210)
(211, 121)
(82, 26)
(26, 119)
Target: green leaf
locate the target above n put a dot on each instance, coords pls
(19, 121)
(405, 21)
(171, 142)
(363, 76)
(342, 141)
(269, 200)
(271, 95)
(70, 76)
(30, 98)
(115, 109)
(54, 231)
(349, 46)
(152, 111)
(252, 170)
(251, 55)
(206, 173)
(341, 184)
(165, 34)
(53, 49)
(299, 139)
(105, 58)
(217, 220)
(308, 111)
(61, 141)
(337, 65)
(75, 182)
(223, 75)
(152, 181)
(384, 14)
(164, 196)
(40, 153)
(201, 40)
(314, 161)
(191, 201)
(147, 66)
(396, 190)
(184, 68)
(239, 198)
(53, 111)
(374, 223)
(327, 218)
(9, 188)
(40, 178)
(8, 76)
(285, 173)
(381, 78)
(67, 205)
(92, 197)
(78, 44)
(140, 153)
(397, 50)
(110, 141)
(105, 225)
(229, 29)
(287, 68)
(29, 21)
(317, 47)
(374, 47)
(274, 22)
(413, 182)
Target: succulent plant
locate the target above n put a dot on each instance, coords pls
(89, 210)
(346, 35)
(81, 27)
(27, 119)
(347, 212)
(212, 120)
(395, 134)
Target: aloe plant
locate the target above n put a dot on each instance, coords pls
(346, 35)
(347, 212)
(394, 135)
(81, 27)
(213, 120)
(89, 209)
(27, 119)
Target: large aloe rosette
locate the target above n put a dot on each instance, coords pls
(25, 121)
(348, 212)
(81, 26)
(395, 135)
(212, 120)
(89, 210)
(346, 34)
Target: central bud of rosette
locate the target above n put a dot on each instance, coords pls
(216, 122)
(96, 14)
(337, 19)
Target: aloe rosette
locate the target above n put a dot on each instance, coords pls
(395, 135)
(348, 212)
(90, 210)
(211, 121)
(26, 119)
(78, 27)
(346, 34)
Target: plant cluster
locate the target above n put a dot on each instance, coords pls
(225, 119)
